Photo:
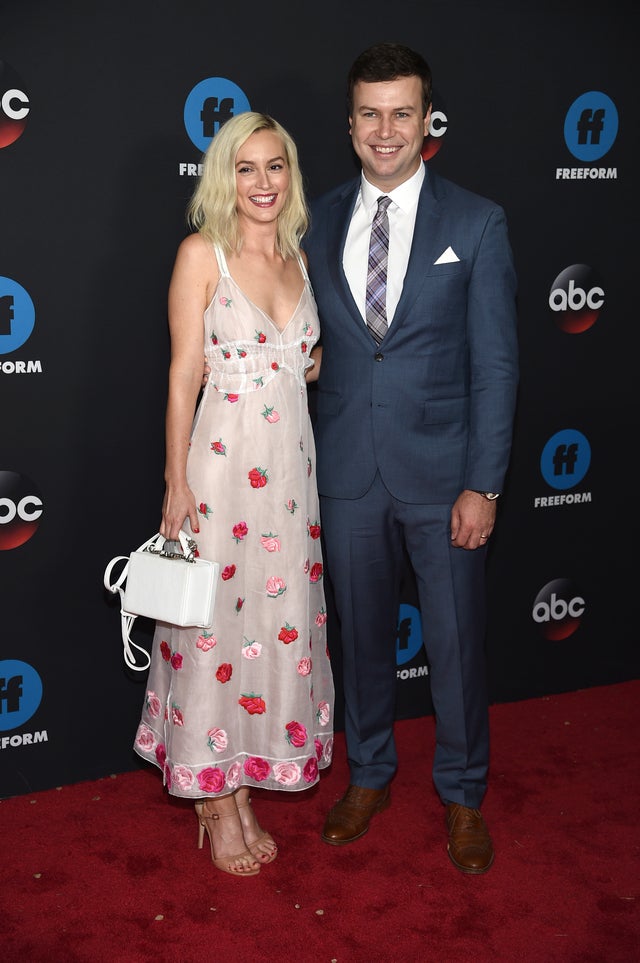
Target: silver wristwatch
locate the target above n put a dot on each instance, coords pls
(491, 496)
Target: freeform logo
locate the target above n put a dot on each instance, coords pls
(576, 298)
(590, 131)
(14, 105)
(565, 459)
(20, 693)
(558, 609)
(437, 129)
(409, 642)
(211, 102)
(20, 509)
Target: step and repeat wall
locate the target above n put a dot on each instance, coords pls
(105, 111)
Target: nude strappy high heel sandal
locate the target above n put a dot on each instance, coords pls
(224, 863)
(263, 858)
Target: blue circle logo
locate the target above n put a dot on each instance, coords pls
(409, 637)
(20, 693)
(209, 105)
(565, 459)
(17, 315)
(591, 126)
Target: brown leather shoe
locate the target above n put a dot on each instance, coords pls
(349, 819)
(470, 848)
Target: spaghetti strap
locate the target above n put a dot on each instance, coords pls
(222, 261)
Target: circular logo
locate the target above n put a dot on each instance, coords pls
(20, 509)
(576, 298)
(409, 637)
(20, 693)
(17, 315)
(565, 459)
(14, 105)
(437, 129)
(209, 105)
(591, 126)
(558, 609)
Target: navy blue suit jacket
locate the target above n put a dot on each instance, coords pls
(432, 408)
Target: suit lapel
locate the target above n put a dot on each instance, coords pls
(339, 226)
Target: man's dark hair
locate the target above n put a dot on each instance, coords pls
(388, 61)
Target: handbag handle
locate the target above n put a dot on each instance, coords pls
(154, 544)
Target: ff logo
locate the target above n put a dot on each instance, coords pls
(209, 104)
(14, 105)
(558, 609)
(591, 126)
(576, 298)
(409, 637)
(437, 129)
(17, 315)
(565, 459)
(20, 509)
(20, 693)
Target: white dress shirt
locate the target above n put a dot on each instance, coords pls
(402, 218)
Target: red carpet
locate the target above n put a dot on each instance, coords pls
(109, 872)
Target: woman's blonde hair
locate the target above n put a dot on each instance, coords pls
(212, 209)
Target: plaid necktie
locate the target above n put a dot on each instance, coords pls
(376, 306)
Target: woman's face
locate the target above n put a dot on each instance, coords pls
(262, 178)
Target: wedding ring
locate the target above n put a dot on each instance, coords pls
(483, 536)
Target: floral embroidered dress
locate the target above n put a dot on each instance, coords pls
(250, 700)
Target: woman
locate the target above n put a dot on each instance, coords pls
(249, 702)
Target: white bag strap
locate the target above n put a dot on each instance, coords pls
(153, 544)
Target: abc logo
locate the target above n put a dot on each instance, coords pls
(576, 298)
(14, 105)
(20, 509)
(558, 609)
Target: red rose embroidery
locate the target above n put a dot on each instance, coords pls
(260, 337)
(310, 771)
(239, 604)
(316, 572)
(287, 634)
(303, 347)
(211, 779)
(218, 448)
(228, 572)
(240, 530)
(165, 651)
(255, 705)
(314, 530)
(224, 672)
(258, 477)
(257, 768)
(176, 661)
(275, 366)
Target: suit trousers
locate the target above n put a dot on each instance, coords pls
(365, 542)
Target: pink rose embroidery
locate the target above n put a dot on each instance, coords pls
(211, 779)
(217, 739)
(145, 739)
(318, 746)
(153, 704)
(270, 415)
(234, 774)
(251, 650)
(161, 754)
(182, 777)
(225, 302)
(177, 716)
(275, 587)
(239, 531)
(304, 666)
(270, 542)
(257, 768)
(206, 641)
(296, 734)
(291, 506)
(323, 713)
(321, 617)
(310, 771)
(328, 749)
(176, 660)
(286, 773)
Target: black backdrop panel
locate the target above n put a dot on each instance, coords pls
(94, 180)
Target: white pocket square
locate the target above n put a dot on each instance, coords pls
(447, 257)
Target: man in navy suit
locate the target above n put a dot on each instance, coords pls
(413, 434)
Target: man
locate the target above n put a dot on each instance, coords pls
(413, 435)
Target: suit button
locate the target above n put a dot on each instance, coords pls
(378, 357)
